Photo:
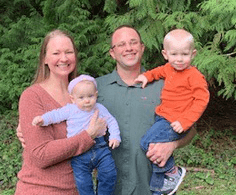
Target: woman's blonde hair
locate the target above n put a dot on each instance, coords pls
(43, 70)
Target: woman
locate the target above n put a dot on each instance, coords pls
(46, 167)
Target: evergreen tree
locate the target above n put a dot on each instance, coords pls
(91, 23)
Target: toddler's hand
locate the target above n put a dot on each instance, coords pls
(141, 79)
(177, 127)
(113, 143)
(37, 121)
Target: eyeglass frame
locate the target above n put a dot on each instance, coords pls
(131, 44)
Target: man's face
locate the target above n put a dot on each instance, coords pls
(127, 48)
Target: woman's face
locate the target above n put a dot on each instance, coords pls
(60, 56)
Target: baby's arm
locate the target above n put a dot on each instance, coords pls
(113, 143)
(37, 121)
(177, 127)
(141, 79)
(113, 127)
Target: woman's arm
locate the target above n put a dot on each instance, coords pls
(47, 146)
(159, 153)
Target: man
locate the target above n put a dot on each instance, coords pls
(133, 107)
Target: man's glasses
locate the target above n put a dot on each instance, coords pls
(122, 45)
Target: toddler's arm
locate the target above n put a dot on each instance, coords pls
(113, 143)
(141, 79)
(177, 127)
(37, 121)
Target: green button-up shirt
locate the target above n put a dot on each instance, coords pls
(133, 108)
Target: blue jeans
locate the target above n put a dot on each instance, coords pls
(161, 131)
(99, 156)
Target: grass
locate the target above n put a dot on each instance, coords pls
(211, 164)
(210, 160)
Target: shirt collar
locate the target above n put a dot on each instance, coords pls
(115, 78)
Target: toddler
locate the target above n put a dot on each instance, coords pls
(184, 98)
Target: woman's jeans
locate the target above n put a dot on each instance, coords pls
(161, 131)
(99, 157)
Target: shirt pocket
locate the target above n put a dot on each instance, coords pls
(146, 110)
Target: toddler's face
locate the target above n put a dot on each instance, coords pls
(179, 54)
(84, 95)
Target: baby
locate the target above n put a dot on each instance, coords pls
(83, 93)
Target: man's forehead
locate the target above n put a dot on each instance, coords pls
(124, 34)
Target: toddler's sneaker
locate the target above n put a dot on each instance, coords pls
(172, 180)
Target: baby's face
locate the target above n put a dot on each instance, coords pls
(84, 95)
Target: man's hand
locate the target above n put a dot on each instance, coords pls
(159, 153)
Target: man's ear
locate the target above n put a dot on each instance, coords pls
(164, 53)
(143, 47)
(96, 94)
(111, 51)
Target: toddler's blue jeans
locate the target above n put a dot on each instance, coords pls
(161, 131)
(99, 156)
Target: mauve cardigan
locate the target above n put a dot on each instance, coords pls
(46, 166)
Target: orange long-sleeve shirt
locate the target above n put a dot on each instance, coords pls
(184, 96)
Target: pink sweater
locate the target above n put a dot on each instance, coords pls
(46, 167)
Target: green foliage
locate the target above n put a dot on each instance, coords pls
(110, 6)
(210, 159)
(10, 151)
(16, 74)
(24, 23)
(23, 26)
(211, 149)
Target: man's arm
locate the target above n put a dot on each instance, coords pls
(159, 153)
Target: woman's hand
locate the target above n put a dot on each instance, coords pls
(97, 126)
(20, 136)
